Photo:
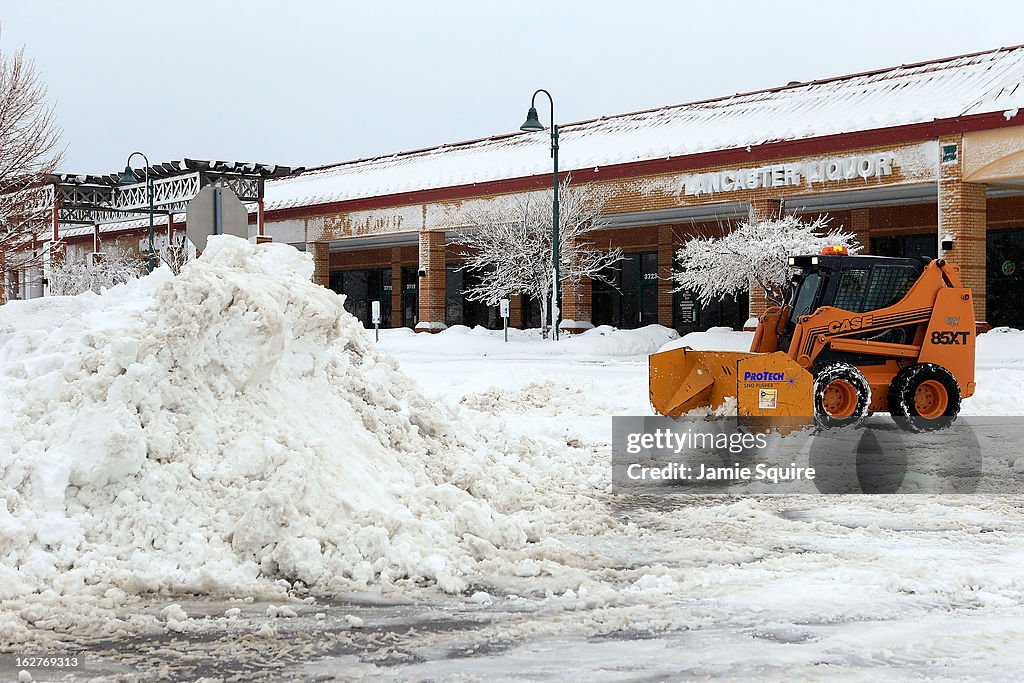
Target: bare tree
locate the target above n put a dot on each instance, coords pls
(509, 245)
(176, 254)
(95, 272)
(29, 139)
(754, 254)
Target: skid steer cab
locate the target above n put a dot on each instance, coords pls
(859, 334)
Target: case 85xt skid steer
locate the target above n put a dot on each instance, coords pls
(859, 334)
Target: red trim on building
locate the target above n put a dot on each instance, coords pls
(910, 133)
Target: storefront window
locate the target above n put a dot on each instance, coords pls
(690, 315)
(361, 287)
(461, 311)
(1005, 278)
(906, 246)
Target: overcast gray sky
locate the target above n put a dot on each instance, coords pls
(307, 83)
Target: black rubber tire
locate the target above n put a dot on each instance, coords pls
(828, 374)
(903, 389)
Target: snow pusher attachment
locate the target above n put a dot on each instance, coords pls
(682, 380)
(762, 384)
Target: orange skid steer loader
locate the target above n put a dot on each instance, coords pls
(858, 334)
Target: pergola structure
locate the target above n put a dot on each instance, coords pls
(101, 199)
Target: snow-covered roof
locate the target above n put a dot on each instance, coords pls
(918, 93)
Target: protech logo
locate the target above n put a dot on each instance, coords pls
(764, 377)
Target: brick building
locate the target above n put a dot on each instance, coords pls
(903, 157)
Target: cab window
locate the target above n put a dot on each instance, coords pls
(853, 285)
(806, 296)
(889, 284)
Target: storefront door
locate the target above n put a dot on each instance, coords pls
(410, 296)
(630, 298)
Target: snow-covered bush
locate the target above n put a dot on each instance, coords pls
(755, 254)
(510, 245)
(94, 273)
(176, 254)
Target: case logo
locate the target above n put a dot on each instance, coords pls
(850, 324)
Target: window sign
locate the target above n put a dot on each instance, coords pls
(949, 153)
(687, 312)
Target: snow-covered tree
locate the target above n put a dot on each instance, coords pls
(755, 254)
(509, 245)
(95, 272)
(29, 152)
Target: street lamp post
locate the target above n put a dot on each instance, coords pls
(533, 124)
(128, 178)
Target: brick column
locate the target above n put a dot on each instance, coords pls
(577, 305)
(515, 311)
(759, 210)
(860, 229)
(432, 259)
(666, 256)
(321, 262)
(962, 216)
(396, 287)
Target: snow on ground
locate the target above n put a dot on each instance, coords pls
(790, 587)
(437, 510)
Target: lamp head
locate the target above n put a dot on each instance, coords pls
(532, 122)
(128, 177)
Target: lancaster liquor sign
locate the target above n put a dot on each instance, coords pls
(790, 175)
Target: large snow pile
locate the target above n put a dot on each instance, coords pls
(231, 427)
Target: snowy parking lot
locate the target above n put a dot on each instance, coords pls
(442, 511)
